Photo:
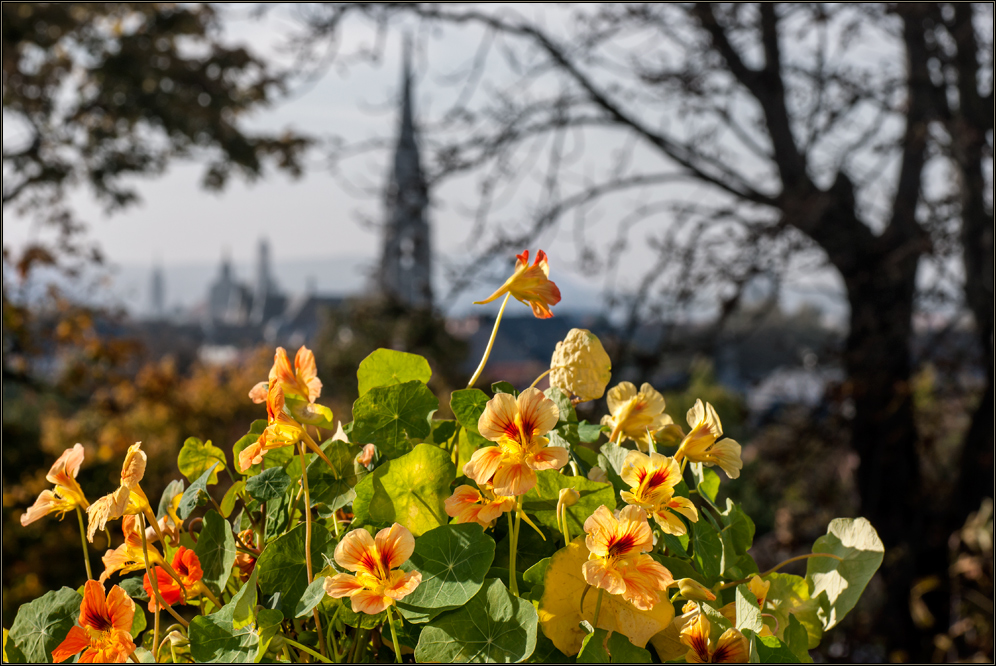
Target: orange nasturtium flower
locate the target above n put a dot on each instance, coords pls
(377, 582)
(67, 494)
(635, 415)
(128, 500)
(281, 430)
(731, 648)
(104, 630)
(470, 505)
(518, 426)
(617, 560)
(703, 443)
(530, 285)
(188, 568)
(299, 381)
(129, 556)
(652, 479)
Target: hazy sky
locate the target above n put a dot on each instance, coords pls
(311, 223)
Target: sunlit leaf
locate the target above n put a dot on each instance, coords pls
(174, 488)
(334, 486)
(387, 367)
(788, 597)
(560, 615)
(231, 497)
(227, 635)
(493, 627)
(837, 584)
(540, 503)
(748, 612)
(601, 647)
(197, 456)
(313, 594)
(389, 416)
(707, 549)
(409, 490)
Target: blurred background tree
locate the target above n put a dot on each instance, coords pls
(857, 137)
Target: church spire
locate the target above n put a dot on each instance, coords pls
(406, 261)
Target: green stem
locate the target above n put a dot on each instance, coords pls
(491, 342)
(598, 607)
(86, 552)
(155, 630)
(394, 636)
(153, 580)
(307, 541)
(359, 642)
(308, 650)
(513, 582)
(778, 566)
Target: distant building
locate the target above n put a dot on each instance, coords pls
(406, 260)
(157, 294)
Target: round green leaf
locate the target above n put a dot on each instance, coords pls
(468, 405)
(268, 484)
(197, 456)
(409, 490)
(493, 627)
(453, 561)
(282, 566)
(389, 416)
(41, 625)
(216, 550)
(334, 485)
(837, 584)
(386, 367)
(233, 634)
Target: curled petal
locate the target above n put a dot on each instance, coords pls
(370, 602)
(599, 573)
(282, 372)
(645, 578)
(366, 455)
(133, 469)
(251, 455)
(402, 584)
(307, 373)
(106, 508)
(76, 641)
(258, 393)
(462, 503)
(47, 502)
(66, 467)
(120, 608)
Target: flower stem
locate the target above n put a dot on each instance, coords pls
(491, 342)
(537, 380)
(394, 635)
(513, 582)
(778, 566)
(86, 552)
(308, 650)
(598, 607)
(155, 630)
(307, 540)
(153, 581)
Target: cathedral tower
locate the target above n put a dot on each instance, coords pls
(406, 262)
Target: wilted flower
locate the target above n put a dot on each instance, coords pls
(188, 568)
(130, 556)
(731, 648)
(244, 561)
(580, 365)
(518, 426)
(67, 494)
(617, 562)
(378, 583)
(300, 381)
(470, 505)
(129, 499)
(530, 285)
(652, 479)
(635, 415)
(281, 430)
(104, 631)
(703, 443)
(366, 455)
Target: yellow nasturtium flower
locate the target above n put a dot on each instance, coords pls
(703, 443)
(731, 648)
(618, 562)
(281, 430)
(518, 426)
(67, 494)
(299, 381)
(530, 285)
(128, 500)
(580, 365)
(377, 582)
(470, 505)
(652, 479)
(635, 415)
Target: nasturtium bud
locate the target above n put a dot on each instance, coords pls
(692, 589)
(580, 365)
(569, 496)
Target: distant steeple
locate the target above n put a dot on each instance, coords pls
(157, 294)
(406, 262)
(266, 291)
